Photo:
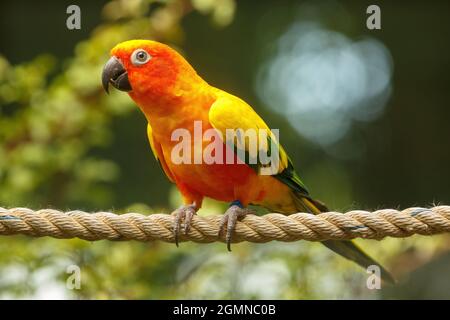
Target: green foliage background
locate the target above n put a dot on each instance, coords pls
(65, 144)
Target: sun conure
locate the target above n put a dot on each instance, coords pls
(173, 96)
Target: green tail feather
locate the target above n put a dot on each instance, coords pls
(351, 251)
(304, 203)
(347, 249)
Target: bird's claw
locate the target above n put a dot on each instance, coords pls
(185, 213)
(229, 219)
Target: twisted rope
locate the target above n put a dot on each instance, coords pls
(299, 226)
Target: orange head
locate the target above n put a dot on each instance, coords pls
(151, 72)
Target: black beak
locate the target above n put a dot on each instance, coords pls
(115, 73)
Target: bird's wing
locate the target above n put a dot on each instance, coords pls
(230, 112)
(157, 152)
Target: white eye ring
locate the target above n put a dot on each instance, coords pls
(140, 57)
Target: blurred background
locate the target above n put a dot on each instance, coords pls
(364, 115)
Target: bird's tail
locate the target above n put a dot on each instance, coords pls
(347, 249)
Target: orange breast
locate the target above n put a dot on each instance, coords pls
(217, 177)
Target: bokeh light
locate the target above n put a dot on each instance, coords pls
(322, 80)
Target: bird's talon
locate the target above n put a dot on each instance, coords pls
(187, 220)
(185, 213)
(229, 219)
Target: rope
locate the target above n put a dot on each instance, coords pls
(273, 226)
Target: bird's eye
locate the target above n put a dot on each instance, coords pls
(140, 57)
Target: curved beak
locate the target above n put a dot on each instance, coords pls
(115, 73)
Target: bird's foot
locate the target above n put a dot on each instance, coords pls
(185, 213)
(235, 212)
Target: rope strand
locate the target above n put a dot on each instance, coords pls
(273, 226)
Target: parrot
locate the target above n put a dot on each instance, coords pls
(171, 95)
